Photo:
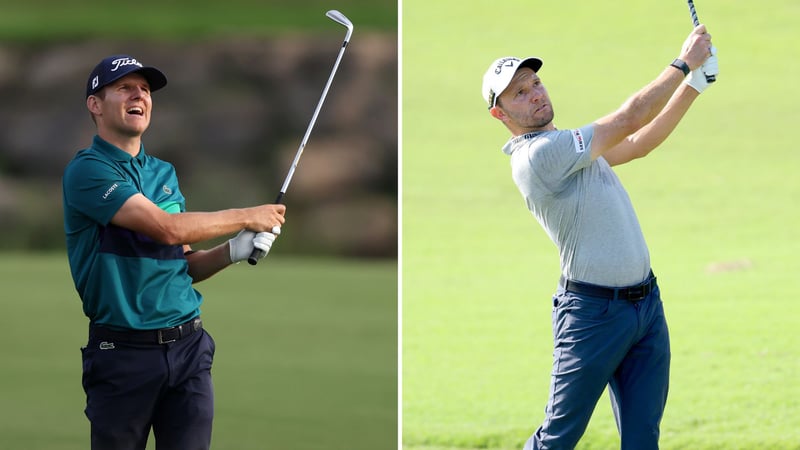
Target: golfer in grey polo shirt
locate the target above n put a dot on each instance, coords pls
(608, 319)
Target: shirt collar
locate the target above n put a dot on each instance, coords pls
(116, 153)
(515, 141)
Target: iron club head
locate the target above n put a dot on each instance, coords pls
(340, 18)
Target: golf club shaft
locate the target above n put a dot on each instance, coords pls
(693, 12)
(696, 22)
(339, 18)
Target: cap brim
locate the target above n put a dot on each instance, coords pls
(534, 63)
(155, 77)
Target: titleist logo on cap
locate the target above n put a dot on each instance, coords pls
(117, 63)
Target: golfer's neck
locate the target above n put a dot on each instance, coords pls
(519, 131)
(129, 144)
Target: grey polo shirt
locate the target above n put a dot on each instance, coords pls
(582, 206)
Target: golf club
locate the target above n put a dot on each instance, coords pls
(340, 18)
(710, 78)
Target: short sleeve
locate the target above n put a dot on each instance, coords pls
(557, 156)
(96, 188)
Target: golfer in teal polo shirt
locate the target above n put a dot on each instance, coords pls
(147, 363)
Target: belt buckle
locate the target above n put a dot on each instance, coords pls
(638, 293)
(160, 334)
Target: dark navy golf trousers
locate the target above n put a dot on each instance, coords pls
(603, 342)
(133, 387)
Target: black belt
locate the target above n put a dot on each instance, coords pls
(630, 293)
(161, 336)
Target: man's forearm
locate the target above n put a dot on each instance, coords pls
(193, 227)
(650, 136)
(635, 113)
(141, 215)
(205, 263)
(654, 133)
(641, 108)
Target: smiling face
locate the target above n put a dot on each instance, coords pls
(524, 105)
(122, 109)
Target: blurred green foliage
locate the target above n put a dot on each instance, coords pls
(50, 19)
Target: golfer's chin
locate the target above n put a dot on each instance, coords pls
(544, 116)
(135, 128)
(540, 120)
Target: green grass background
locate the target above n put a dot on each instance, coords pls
(478, 271)
(306, 355)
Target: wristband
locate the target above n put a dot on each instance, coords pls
(681, 65)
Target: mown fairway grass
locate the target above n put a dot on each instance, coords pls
(717, 202)
(306, 355)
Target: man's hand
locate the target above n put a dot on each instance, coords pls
(243, 243)
(266, 217)
(695, 49)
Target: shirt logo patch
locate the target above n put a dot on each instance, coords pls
(166, 190)
(577, 139)
(106, 345)
(110, 190)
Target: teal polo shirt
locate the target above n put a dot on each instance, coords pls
(125, 279)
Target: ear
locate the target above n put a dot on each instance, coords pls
(93, 105)
(497, 113)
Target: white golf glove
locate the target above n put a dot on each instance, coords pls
(710, 67)
(242, 245)
(697, 78)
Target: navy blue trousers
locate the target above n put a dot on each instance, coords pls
(601, 342)
(131, 388)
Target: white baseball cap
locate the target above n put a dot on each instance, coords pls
(500, 73)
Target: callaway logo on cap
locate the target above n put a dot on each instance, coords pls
(500, 73)
(115, 67)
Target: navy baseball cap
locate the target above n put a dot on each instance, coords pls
(115, 67)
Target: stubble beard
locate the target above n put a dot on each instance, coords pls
(533, 122)
(545, 120)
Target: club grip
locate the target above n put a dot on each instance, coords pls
(696, 22)
(257, 253)
(255, 256)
